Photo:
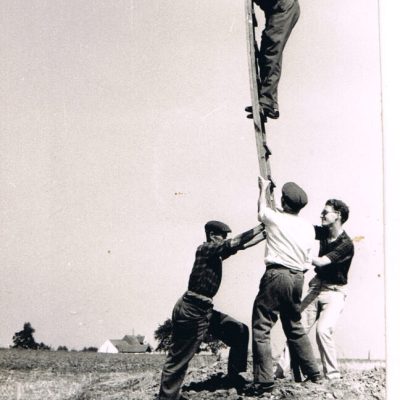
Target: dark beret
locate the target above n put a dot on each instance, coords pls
(294, 195)
(217, 226)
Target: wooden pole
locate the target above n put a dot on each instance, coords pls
(263, 152)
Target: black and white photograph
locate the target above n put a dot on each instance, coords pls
(198, 200)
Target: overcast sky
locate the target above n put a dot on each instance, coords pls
(123, 132)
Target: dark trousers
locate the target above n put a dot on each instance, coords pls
(280, 18)
(280, 294)
(192, 320)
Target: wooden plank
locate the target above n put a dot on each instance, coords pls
(263, 150)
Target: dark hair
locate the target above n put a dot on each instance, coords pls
(339, 205)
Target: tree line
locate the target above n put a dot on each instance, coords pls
(24, 340)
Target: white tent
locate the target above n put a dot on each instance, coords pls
(107, 347)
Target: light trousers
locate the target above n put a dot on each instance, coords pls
(321, 306)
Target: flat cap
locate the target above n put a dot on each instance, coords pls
(294, 195)
(217, 226)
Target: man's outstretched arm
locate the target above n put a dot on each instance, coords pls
(257, 239)
(228, 247)
(242, 239)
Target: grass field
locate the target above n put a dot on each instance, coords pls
(38, 375)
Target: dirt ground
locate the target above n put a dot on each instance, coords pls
(36, 375)
(358, 382)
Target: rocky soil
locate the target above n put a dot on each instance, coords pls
(358, 382)
(42, 375)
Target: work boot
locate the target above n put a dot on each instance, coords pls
(315, 378)
(235, 381)
(266, 111)
(258, 389)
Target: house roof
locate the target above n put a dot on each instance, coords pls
(129, 344)
(131, 339)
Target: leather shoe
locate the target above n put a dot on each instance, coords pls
(316, 378)
(272, 113)
(258, 389)
(235, 381)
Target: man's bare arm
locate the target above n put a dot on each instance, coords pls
(321, 261)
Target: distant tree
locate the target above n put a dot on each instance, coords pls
(62, 348)
(24, 339)
(164, 332)
(42, 346)
(90, 349)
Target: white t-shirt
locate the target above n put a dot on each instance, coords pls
(289, 239)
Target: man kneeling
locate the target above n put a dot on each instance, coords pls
(193, 315)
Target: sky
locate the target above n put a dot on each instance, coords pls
(123, 132)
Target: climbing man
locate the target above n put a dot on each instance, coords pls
(193, 315)
(280, 18)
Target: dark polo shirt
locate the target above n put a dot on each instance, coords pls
(340, 252)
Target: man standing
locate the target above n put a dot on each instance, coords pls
(193, 315)
(327, 290)
(289, 239)
(280, 18)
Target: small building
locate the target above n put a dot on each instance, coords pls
(128, 344)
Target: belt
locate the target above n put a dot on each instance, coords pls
(279, 266)
(198, 299)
